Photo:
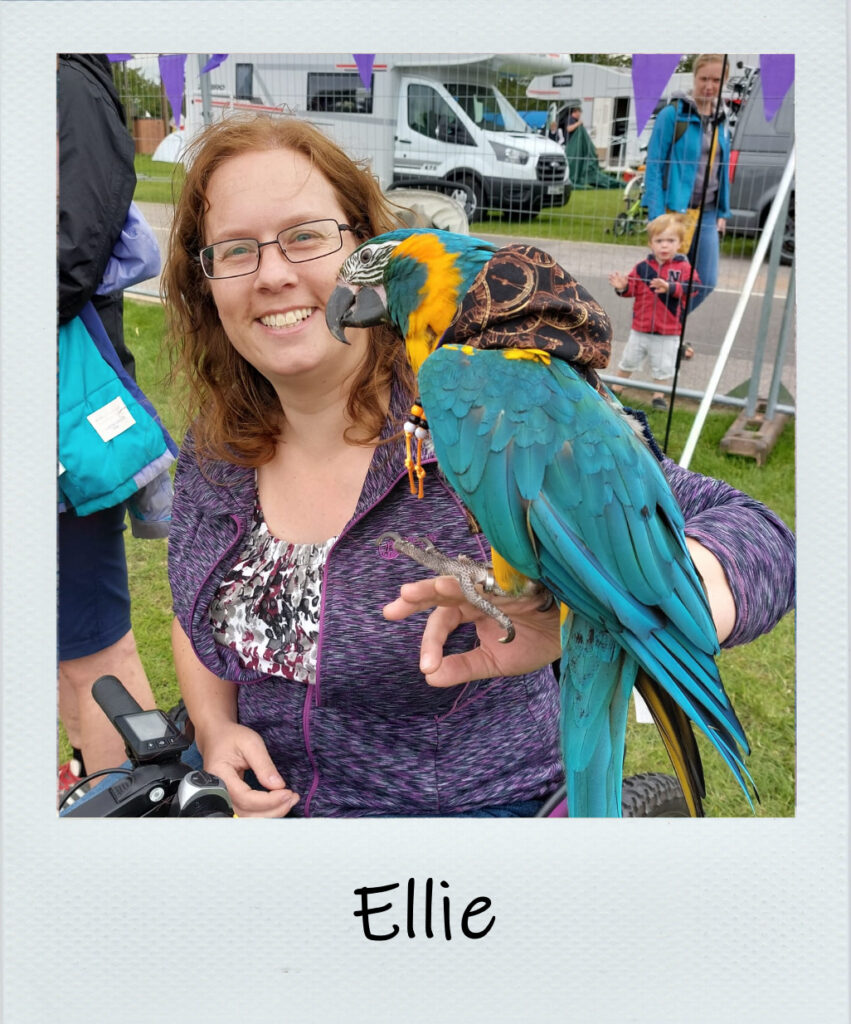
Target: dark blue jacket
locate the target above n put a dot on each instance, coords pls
(672, 163)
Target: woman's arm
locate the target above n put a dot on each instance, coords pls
(753, 547)
(658, 155)
(228, 749)
(724, 211)
(96, 182)
(742, 550)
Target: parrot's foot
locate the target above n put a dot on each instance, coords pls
(467, 571)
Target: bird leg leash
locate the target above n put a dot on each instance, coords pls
(416, 426)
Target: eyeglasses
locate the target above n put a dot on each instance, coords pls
(300, 243)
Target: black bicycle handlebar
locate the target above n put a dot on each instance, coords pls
(158, 783)
(109, 693)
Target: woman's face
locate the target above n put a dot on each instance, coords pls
(275, 317)
(707, 82)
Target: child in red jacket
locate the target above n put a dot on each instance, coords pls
(658, 284)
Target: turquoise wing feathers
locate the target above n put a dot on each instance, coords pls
(564, 489)
(569, 494)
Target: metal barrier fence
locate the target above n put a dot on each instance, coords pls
(598, 230)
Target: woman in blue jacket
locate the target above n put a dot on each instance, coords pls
(683, 138)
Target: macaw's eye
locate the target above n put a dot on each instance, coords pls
(366, 256)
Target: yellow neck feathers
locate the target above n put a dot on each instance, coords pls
(438, 297)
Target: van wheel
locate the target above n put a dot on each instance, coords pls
(524, 212)
(474, 206)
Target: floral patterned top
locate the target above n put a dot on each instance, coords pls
(267, 606)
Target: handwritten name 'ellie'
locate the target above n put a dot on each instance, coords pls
(470, 929)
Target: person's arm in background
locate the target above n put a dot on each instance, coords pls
(96, 179)
(723, 200)
(624, 284)
(658, 155)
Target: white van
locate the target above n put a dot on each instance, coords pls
(422, 118)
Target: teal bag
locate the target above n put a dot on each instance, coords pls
(108, 445)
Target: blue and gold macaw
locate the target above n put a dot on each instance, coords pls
(504, 344)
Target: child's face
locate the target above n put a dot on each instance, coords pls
(665, 244)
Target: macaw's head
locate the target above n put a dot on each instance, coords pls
(413, 280)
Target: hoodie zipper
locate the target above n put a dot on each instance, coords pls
(312, 698)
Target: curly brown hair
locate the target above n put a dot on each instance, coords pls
(234, 410)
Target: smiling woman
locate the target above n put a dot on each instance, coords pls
(304, 698)
(241, 417)
(267, 299)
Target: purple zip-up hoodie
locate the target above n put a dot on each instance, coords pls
(371, 737)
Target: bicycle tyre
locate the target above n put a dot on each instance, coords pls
(653, 795)
(649, 795)
(621, 225)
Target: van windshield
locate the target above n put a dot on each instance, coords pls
(486, 107)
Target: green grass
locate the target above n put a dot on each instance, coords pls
(587, 216)
(156, 181)
(144, 330)
(759, 677)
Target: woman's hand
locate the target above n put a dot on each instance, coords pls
(721, 224)
(229, 751)
(537, 641)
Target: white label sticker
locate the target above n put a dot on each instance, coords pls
(111, 419)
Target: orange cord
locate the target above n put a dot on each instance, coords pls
(416, 425)
(409, 463)
(419, 466)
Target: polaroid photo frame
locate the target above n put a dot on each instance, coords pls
(730, 919)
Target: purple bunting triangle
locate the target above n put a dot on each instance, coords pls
(114, 58)
(650, 74)
(172, 73)
(364, 62)
(213, 62)
(777, 71)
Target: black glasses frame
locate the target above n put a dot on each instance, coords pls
(275, 241)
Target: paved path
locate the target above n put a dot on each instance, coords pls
(592, 262)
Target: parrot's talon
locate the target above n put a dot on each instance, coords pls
(466, 570)
(390, 535)
(509, 634)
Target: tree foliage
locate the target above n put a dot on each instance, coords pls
(611, 60)
(141, 96)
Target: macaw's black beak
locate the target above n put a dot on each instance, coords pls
(354, 307)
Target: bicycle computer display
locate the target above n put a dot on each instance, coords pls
(150, 735)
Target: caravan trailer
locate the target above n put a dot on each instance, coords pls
(420, 118)
(606, 96)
